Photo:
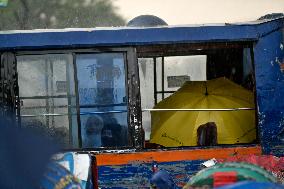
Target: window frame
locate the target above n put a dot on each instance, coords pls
(187, 49)
(134, 118)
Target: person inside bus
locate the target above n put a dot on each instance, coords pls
(207, 134)
(93, 130)
(113, 134)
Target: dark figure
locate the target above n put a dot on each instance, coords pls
(207, 134)
(93, 130)
(113, 134)
(249, 82)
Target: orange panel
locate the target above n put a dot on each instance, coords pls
(174, 155)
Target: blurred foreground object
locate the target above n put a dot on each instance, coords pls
(269, 162)
(228, 173)
(58, 177)
(23, 157)
(162, 180)
(77, 164)
(254, 185)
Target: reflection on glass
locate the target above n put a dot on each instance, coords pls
(177, 70)
(102, 97)
(46, 88)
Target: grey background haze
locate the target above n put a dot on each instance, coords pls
(176, 12)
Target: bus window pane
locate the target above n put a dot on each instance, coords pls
(47, 95)
(102, 97)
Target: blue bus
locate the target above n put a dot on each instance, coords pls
(95, 90)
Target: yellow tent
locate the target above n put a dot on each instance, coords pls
(232, 110)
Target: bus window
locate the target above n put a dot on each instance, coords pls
(102, 98)
(168, 71)
(156, 87)
(47, 96)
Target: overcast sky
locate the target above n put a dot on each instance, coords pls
(176, 12)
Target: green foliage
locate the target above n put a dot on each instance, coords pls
(34, 14)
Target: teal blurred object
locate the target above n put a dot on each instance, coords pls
(252, 184)
(244, 172)
(57, 177)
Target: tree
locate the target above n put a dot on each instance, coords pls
(33, 14)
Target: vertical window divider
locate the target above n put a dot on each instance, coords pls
(155, 80)
(69, 100)
(254, 90)
(163, 79)
(77, 100)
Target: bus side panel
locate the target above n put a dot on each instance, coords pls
(269, 72)
(136, 175)
(134, 170)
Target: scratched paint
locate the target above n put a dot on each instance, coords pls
(138, 175)
(270, 90)
(134, 169)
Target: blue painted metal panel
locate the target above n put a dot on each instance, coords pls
(138, 175)
(266, 28)
(269, 56)
(131, 36)
(51, 39)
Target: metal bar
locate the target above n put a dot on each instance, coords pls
(163, 75)
(102, 105)
(52, 90)
(82, 106)
(41, 107)
(68, 60)
(198, 109)
(81, 113)
(46, 97)
(155, 79)
(165, 92)
(46, 88)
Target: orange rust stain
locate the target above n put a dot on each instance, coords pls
(282, 66)
(174, 155)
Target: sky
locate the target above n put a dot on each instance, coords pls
(178, 12)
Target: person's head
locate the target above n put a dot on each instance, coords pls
(94, 125)
(207, 134)
(92, 132)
